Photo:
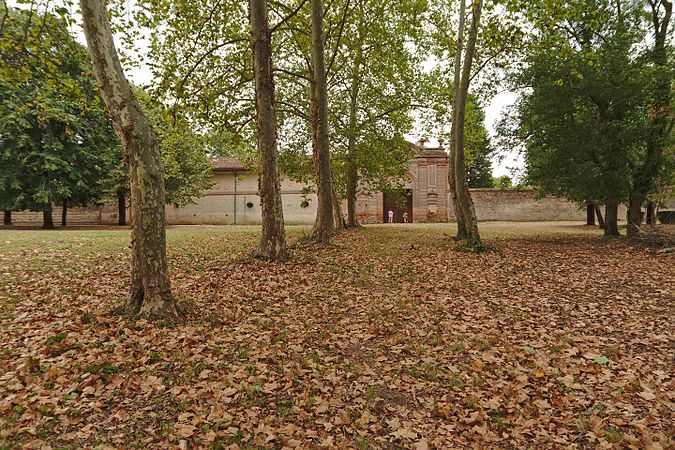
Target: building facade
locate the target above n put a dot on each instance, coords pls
(234, 199)
(426, 196)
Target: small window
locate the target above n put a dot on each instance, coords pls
(249, 205)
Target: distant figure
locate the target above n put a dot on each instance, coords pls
(405, 217)
(391, 216)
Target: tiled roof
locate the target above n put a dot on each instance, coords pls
(227, 163)
(426, 152)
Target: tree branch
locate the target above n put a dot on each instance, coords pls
(289, 16)
(291, 73)
(179, 89)
(337, 44)
(482, 66)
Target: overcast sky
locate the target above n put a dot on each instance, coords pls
(493, 113)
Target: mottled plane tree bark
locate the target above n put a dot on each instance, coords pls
(352, 167)
(150, 288)
(467, 223)
(324, 223)
(272, 244)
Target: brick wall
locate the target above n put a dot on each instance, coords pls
(491, 204)
(521, 205)
(92, 215)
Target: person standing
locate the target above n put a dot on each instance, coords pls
(405, 217)
(391, 216)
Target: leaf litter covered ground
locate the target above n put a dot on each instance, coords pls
(391, 338)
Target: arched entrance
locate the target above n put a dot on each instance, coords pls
(400, 204)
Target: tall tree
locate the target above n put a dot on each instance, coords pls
(54, 138)
(324, 223)
(150, 287)
(187, 168)
(208, 72)
(481, 52)
(352, 166)
(467, 223)
(584, 120)
(373, 94)
(647, 177)
(272, 244)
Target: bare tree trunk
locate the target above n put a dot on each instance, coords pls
(7, 220)
(459, 216)
(338, 217)
(463, 196)
(634, 216)
(611, 218)
(323, 225)
(122, 207)
(272, 244)
(352, 168)
(598, 213)
(64, 213)
(352, 185)
(47, 219)
(150, 287)
(651, 214)
(590, 212)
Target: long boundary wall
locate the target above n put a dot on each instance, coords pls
(91, 215)
(520, 205)
(217, 208)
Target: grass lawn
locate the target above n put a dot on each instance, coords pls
(391, 338)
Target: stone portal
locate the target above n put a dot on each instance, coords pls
(401, 205)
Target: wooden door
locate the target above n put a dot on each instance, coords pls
(399, 204)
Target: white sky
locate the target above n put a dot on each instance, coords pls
(493, 113)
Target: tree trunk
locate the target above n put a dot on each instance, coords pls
(634, 216)
(64, 213)
(352, 184)
(47, 219)
(323, 225)
(122, 207)
(651, 214)
(150, 287)
(7, 220)
(272, 244)
(463, 196)
(338, 217)
(598, 213)
(459, 217)
(352, 167)
(590, 212)
(611, 218)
